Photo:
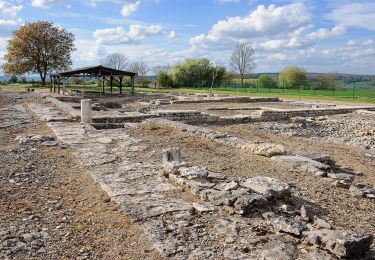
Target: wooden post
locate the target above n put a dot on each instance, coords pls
(120, 90)
(50, 86)
(132, 84)
(58, 84)
(64, 84)
(111, 83)
(103, 84)
(54, 84)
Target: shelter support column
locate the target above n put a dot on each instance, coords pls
(64, 84)
(103, 85)
(86, 112)
(132, 84)
(51, 83)
(111, 83)
(58, 85)
(54, 84)
(120, 89)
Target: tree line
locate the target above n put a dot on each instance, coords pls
(43, 48)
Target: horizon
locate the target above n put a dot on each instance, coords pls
(320, 36)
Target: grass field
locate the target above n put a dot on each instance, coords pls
(350, 95)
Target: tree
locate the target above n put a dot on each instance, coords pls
(116, 61)
(39, 47)
(195, 72)
(164, 80)
(265, 81)
(13, 79)
(141, 69)
(242, 60)
(217, 73)
(293, 76)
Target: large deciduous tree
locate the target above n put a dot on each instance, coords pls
(242, 60)
(196, 73)
(39, 47)
(293, 76)
(116, 61)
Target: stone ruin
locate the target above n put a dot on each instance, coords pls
(217, 216)
(244, 196)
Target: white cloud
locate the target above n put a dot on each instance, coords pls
(172, 34)
(9, 10)
(324, 33)
(118, 35)
(8, 17)
(130, 8)
(43, 3)
(264, 21)
(360, 15)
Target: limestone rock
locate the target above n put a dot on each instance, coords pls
(227, 186)
(298, 120)
(361, 190)
(172, 155)
(342, 184)
(266, 149)
(341, 176)
(245, 203)
(284, 224)
(203, 207)
(306, 213)
(346, 244)
(267, 186)
(193, 172)
(306, 164)
(279, 251)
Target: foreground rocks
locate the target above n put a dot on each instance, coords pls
(190, 211)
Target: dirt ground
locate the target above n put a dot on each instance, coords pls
(51, 209)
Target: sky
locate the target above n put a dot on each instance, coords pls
(320, 36)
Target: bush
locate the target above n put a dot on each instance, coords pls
(265, 81)
(164, 80)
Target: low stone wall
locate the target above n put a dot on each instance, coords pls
(229, 100)
(65, 107)
(284, 114)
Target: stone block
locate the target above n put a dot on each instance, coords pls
(269, 187)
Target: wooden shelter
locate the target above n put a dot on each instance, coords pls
(99, 72)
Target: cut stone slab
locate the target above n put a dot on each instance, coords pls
(269, 187)
(346, 244)
(342, 184)
(203, 207)
(284, 224)
(193, 172)
(172, 155)
(306, 164)
(266, 149)
(227, 186)
(341, 176)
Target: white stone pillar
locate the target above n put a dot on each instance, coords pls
(86, 112)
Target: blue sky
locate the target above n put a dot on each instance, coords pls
(321, 36)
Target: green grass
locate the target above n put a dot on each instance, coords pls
(359, 95)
